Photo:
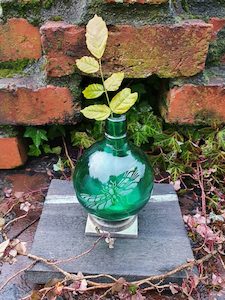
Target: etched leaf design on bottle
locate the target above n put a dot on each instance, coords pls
(112, 191)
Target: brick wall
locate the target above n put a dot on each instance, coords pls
(40, 40)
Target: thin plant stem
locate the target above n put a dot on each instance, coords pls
(106, 93)
(67, 154)
(103, 83)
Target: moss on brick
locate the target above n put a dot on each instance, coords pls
(203, 9)
(216, 49)
(56, 18)
(7, 131)
(72, 82)
(123, 13)
(12, 68)
(206, 117)
(31, 10)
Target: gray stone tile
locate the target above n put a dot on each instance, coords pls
(162, 243)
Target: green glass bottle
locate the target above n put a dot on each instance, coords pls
(113, 179)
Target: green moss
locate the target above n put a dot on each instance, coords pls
(122, 13)
(28, 10)
(204, 9)
(7, 131)
(185, 5)
(47, 3)
(72, 82)
(56, 18)
(216, 49)
(207, 117)
(12, 68)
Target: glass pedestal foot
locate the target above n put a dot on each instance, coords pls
(127, 228)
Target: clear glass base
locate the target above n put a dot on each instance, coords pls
(112, 226)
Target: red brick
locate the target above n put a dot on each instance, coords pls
(137, 1)
(191, 104)
(165, 50)
(19, 39)
(218, 24)
(35, 105)
(12, 153)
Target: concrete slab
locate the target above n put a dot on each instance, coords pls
(162, 242)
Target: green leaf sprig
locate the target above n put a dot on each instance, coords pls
(96, 40)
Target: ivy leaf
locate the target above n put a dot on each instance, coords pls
(139, 134)
(34, 151)
(221, 138)
(175, 170)
(96, 36)
(36, 134)
(98, 112)
(114, 81)
(123, 101)
(97, 131)
(169, 142)
(81, 139)
(87, 64)
(59, 166)
(93, 91)
(55, 150)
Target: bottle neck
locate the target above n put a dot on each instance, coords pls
(116, 128)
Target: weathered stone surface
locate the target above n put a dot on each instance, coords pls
(205, 9)
(62, 43)
(197, 100)
(137, 1)
(162, 243)
(23, 101)
(18, 40)
(165, 50)
(12, 152)
(80, 11)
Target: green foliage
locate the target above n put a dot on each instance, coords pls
(182, 148)
(174, 149)
(47, 3)
(59, 166)
(11, 68)
(81, 139)
(216, 49)
(143, 124)
(40, 138)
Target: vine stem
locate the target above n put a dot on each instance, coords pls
(103, 83)
(67, 154)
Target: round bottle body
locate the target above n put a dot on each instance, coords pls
(113, 179)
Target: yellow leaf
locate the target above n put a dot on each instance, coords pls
(114, 81)
(87, 64)
(98, 112)
(96, 36)
(93, 91)
(123, 101)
